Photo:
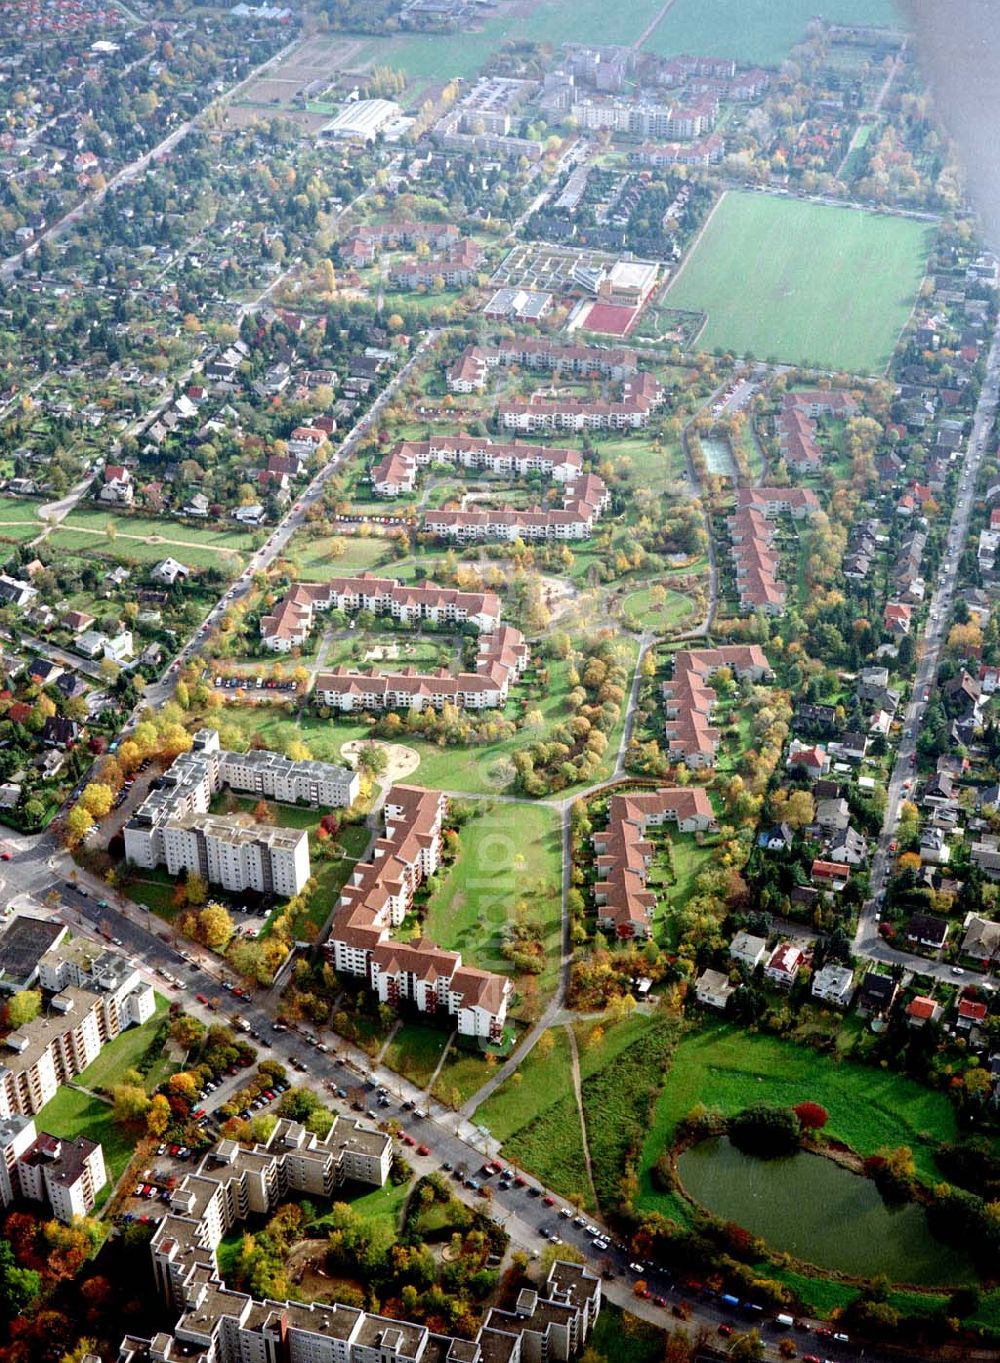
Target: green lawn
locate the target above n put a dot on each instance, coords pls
(508, 869)
(415, 1051)
(462, 1073)
(803, 282)
(755, 31)
(728, 1068)
(124, 1052)
(71, 1114)
(315, 564)
(665, 617)
(626, 1338)
(545, 1080)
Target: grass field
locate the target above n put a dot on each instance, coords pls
(432, 57)
(537, 1117)
(803, 282)
(312, 556)
(754, 31)
(414, 1052)
(664, 618)
(124, 1052)
(728, 1068)
(71, 1114)
(505, 860)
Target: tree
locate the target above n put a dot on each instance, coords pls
(130, 1104)
(23, 1007)
(158, 1115)
(78, 825)
(195, 890)
(372, 759)
(765, 1130)
(19, 1287)
(97, 799)
(812, 1116)
(215, 927)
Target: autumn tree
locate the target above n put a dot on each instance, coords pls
(23, 1007)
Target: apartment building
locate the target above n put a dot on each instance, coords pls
(65, 1175)
(378, 896)
(689, 699)
(584, 500)
(291, 621)
(92, 996)
(396, 474)
(233, 1182)
(624, 906)
(468, 373)
(538, 415)
(221, 848)
(237, 855)
(218, 1325)
(502, 657)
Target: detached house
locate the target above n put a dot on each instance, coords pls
(783, 968)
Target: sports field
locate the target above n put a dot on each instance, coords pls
(755, 31)
(803, 282)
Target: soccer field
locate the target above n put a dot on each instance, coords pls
(761, 31)
(803, 282)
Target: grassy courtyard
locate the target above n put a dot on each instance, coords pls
(802, 282)
(71, 1114)
(508, 870)
(125, 1053)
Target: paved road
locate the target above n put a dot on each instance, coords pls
(867, 941)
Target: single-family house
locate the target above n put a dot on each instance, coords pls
(833, 815)
(982, 940)
(776, 839)
(834, 984)
(926, 930)
(830, 875)
(168, 571)
(785, 962)
(877, 995)
(712, 989)
(748, 949)
(970, 1013)
(922, 1010)
(848, 848)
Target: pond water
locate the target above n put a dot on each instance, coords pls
(820, 1212)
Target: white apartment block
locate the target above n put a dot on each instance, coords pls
(97, 995)
(65, 1175)
(172, 826)
(228, 852)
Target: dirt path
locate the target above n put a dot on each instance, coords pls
(653, 24)
(150, 539)
(578, 1093)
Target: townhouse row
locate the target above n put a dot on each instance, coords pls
(468, 373)
(291, 621)
(752, 533)
(396, 474)
(377, 898)
(625, 907)
(689, 700)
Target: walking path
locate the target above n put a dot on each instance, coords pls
(578, 1094)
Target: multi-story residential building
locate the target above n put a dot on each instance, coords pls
(640, 396)
(233, 1182)
(502, 657)
(92, 996)
(378, 896)
(226, 851)
(218, 1325)
(468, 373)
(689, 700)
(396, 473)
(624, 905)
(66, 1175)
(584, 500)
(222, 849)
(291, 621)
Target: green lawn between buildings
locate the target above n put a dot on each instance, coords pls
(71, 1114)
(803, 282)
(506, 856)
(124, 1053)
(415, 1050)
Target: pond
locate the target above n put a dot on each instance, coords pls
(821, 1213)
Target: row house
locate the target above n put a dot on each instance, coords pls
(396, 474)
(689, 699)
(623, 855)
(377, 897)
(292, 619)
(755, 563)
(583, 503)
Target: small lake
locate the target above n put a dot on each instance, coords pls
(820, 1212)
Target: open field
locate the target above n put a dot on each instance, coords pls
(125, 1052)
(415, 1050)
(315, 562)
(71, 1114)
(439, 57)
(507, 871)
(803, 282)
(660, 617)
(728, 1068)
(755, 31)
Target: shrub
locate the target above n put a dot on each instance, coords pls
(812, 1116)
(765, 1130)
